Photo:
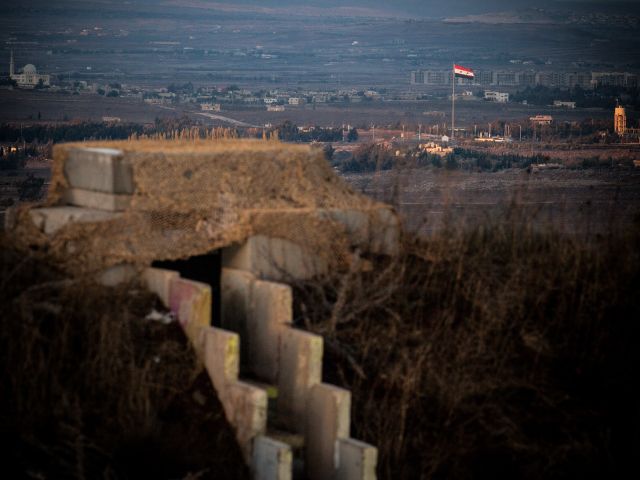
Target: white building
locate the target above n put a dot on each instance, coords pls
(29, 77)
(499, 97)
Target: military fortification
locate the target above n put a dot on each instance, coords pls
(219, 230)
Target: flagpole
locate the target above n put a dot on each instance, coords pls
(453, 100)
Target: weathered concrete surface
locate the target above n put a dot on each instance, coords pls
(300, 368)
(191, 302)
(259, 311)
(357, 460)
(221, 356)
(51, 219)
(272, 460)
(270, 314)
(273, 259)
(246, 409)
(235, 288)
(99, 169)
(375, 230)
(91, 199)
(158, 281)
(328, 418)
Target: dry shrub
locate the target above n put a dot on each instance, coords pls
(494, 351)
(90, 389)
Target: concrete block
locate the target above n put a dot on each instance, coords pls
(221, 357)
(300, 368)
(191, 302)
(99, 169)
(116, 275)
(356, 460)
(328, 420)
(235, 288)
(246, 409)
(158, 281)
(99, 200)
(273, 259)
(272, 460)
(376, 230)
(270, 312)
(52, 219)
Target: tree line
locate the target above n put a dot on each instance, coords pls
(374, 157)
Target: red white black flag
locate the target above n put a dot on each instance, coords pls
(463, 72)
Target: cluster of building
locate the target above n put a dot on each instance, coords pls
(213, 99)
(28, 77)
(506, 78)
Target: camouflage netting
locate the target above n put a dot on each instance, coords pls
(192, 197)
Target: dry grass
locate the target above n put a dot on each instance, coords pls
(90, 389)
(488, 352)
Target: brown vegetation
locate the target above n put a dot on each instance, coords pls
(90, 389)
(495, 351)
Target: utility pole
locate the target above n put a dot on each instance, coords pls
(453, 101)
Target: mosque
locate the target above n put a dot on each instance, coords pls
(29, 77)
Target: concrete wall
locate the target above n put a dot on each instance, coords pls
(328, 420)
(257, 332)
(292, 359)
(273, 259)
(245, 405)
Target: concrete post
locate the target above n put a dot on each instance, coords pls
(357, 460)
(271, 313)
(272, 460)
(300, 369)
(328, 418)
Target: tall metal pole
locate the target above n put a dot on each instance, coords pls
(453, 101)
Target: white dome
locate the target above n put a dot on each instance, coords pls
(29, 68)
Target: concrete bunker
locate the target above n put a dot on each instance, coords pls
(218, 230)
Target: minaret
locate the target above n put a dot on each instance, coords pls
(619, 120)
(11, 67)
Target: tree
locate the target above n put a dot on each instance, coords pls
(352, 136)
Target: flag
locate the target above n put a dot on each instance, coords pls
(463, 72)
